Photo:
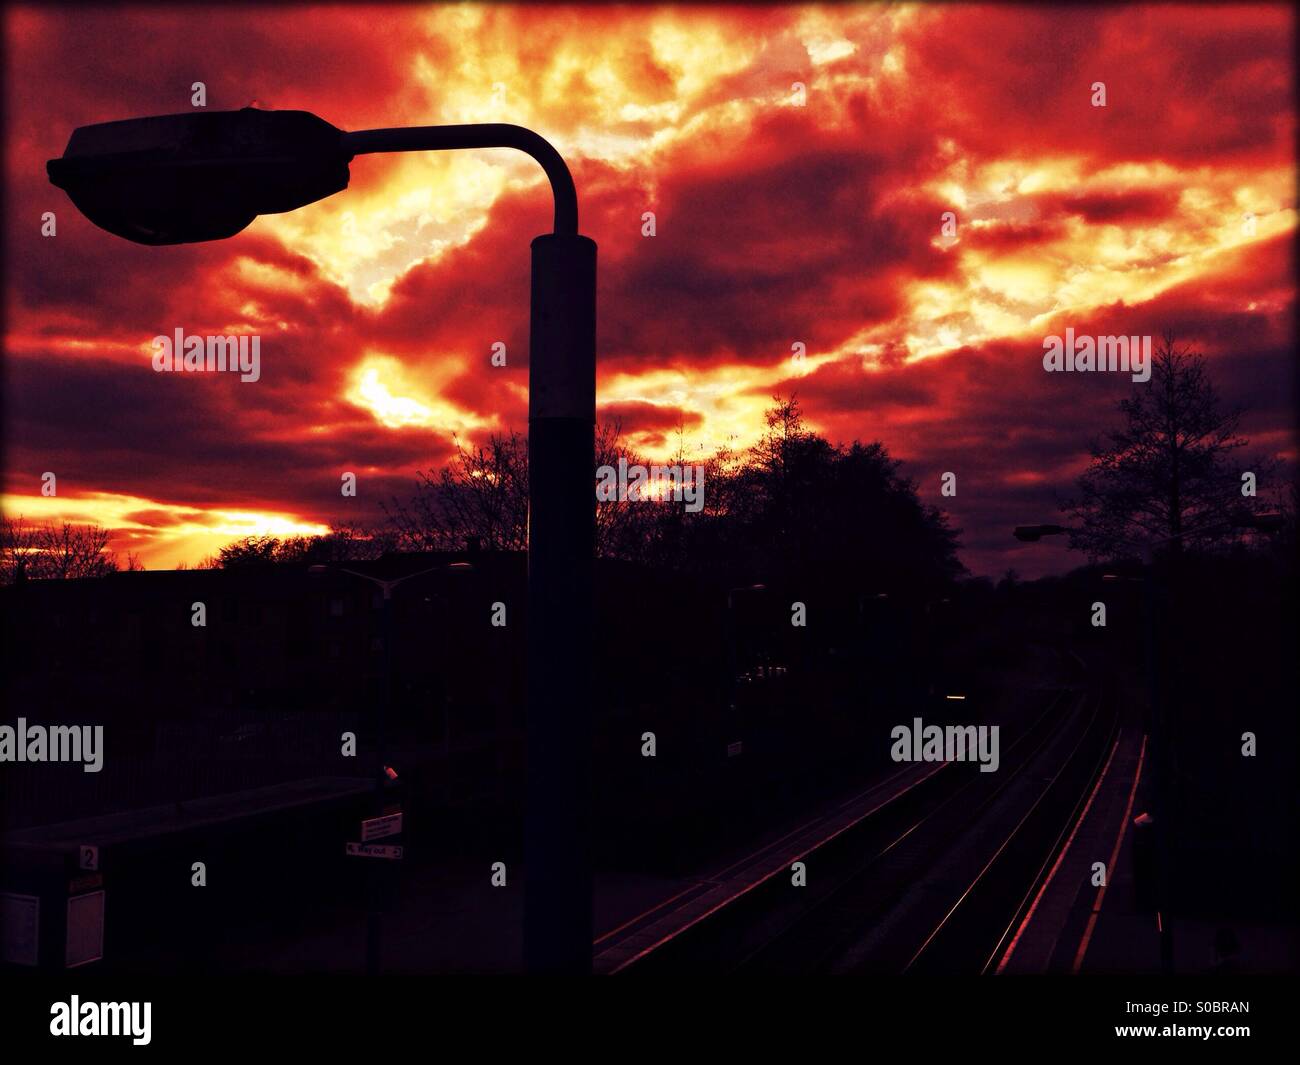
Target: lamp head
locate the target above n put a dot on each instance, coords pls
(1031, 534)
(203, 175)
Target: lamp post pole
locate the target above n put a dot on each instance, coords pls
(561, 548)
(175, 179)
(561, 551)
(373, 917)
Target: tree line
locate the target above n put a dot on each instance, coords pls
(793, 506)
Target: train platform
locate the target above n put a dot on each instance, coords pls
(115, 829)
(450, 914)
(451, 917)
(1092, 873)
(1080, 924)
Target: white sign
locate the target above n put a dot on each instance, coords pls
(89, 856)
(379, 827)
(374, 850)
(736, 748)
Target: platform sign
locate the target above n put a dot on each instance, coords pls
(85, 934)
(88, 856)
(375, 850)
(379, 827)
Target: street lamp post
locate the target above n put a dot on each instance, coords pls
(177, 179)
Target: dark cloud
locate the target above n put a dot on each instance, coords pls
(804, 224)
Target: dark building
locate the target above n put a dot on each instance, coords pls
(215, 680)
(287, 660)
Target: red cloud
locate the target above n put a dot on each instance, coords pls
(774, 224)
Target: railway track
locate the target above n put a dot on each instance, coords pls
(932, 881)
(1013, 872)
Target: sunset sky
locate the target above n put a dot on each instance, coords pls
(1172, 207)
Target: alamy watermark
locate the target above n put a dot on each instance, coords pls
(918, 742)
(57, 743)
(1109, 353)
(102, 1018)
(211, 354)
(637, 482)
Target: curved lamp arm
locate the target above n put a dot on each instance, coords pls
(485, 135)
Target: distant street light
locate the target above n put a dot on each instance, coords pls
(1269, 523)
(731, 592)
(205, 175)
(1242, 519)
(1033, 533)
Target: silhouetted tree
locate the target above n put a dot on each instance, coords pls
(54, 551)
(796, 508)
(344, 544)
(1164, 476)
(481, 496)
(248, 551)
(793, 506)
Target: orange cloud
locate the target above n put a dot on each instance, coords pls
(799, 162)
